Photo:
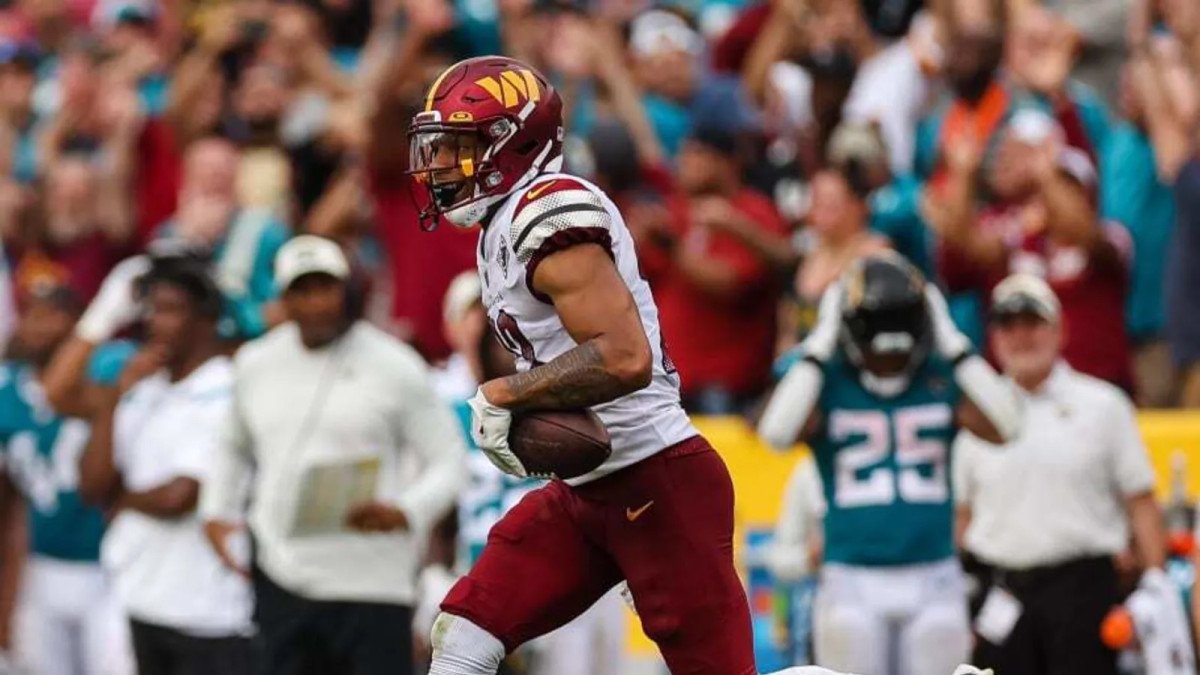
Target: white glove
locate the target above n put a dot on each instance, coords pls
(948, 340)
(822, 341)
(115, 305)
(489, 430)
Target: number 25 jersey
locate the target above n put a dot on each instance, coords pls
(885, 466)
(553, 213)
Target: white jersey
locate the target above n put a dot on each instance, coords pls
(554, 212)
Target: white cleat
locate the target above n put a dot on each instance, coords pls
(966, 669)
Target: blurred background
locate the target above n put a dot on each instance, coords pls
(780, 140)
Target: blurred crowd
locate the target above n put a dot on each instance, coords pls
(755, 150)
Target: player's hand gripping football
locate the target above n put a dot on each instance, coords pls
(948, 340)
(489, 430)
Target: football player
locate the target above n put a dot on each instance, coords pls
(562, 291)
(67, 621)
(883, 383)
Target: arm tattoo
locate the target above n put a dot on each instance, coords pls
(576, 379)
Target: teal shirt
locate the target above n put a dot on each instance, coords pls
(1132, 194)
(896, 214)
(885, 467)
(244, 266)
(41, 455)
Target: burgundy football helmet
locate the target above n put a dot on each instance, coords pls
(490, 125)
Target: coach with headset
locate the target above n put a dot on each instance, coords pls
(346, 457)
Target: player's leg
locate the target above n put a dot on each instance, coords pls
(43, 639)
(938, 636)
(537, 572)
(55, 598)
(610, 635)
(566, 650)
(849, 633)
(670, 528)
(107, 645)
(592, 644)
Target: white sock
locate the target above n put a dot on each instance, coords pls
(462, 648)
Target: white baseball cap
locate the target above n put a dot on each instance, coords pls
(1025, 294)
(309, 254)
(463, 292)
(658, 30)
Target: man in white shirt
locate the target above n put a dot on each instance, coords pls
(350, 458)
(148, 452)
(1046, 514)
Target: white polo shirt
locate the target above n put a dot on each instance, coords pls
(164, 570)
(1058, 492)
(366, 397)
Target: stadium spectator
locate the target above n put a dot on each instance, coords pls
(399, 59)
(1045, 225)
(1044, 516)
(1183, 275)
(1138, 166)
(860, 151)
(77, 227)
(838, 227)
(17, 79)
(681, 93)
(187, 612)
(706, 277)
(67, 621)
(242, 240)
(352, 458)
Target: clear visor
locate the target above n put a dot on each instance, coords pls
(441, 156)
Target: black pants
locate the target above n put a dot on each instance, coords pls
(1059, 629)
(165, 651)
(310, 637)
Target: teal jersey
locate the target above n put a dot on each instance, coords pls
(488, 496)
(885, 467)
(41, 455)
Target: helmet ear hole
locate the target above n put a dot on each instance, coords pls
(527, 147)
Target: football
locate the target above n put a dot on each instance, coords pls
(559, 443)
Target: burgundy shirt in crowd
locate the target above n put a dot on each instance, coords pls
(158, 179)
(422, 264)
(80, 265)
(1090, 285)
(725, 342)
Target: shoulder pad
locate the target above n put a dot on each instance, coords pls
(551, 207)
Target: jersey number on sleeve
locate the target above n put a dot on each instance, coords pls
(857, 484)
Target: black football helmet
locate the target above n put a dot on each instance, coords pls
(886, 332)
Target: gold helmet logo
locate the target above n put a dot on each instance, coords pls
(512, 87)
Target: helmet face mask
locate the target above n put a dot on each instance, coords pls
(490, 125)
(445, 162)
(888, 342)
(886, 331)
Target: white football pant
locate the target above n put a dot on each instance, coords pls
(909, 620)
(68, 623)
(592, 644)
